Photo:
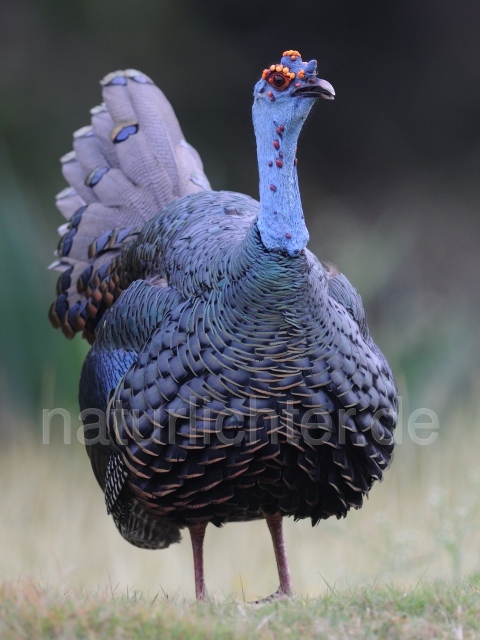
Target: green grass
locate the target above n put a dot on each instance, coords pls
(427, 611)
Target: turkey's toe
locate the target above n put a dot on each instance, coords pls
(279, 595)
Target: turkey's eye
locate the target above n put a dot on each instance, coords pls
(278, 76)
(279, 81)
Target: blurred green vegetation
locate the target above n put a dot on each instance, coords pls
(38, 369)
(389, 172)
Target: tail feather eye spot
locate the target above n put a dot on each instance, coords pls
(77, 217)
(123, 132)
(64, 281)
(117, 80)
(66, 242)
(95, 176)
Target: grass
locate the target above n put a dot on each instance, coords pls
(428, 611)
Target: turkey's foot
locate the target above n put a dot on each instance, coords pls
(278, 596)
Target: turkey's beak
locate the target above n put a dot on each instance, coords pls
(316, 88)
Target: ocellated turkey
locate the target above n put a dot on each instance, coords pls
(232, 375)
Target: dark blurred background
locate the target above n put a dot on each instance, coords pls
(389, 172)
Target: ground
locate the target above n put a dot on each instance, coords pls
(437, 610)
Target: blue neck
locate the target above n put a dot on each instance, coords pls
(280, 222)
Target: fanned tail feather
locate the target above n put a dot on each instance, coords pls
(125, 168)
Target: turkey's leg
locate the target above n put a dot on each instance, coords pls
(197, 534)
(274, 523)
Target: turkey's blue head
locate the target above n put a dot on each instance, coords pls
(282, 100)
(292, 78)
